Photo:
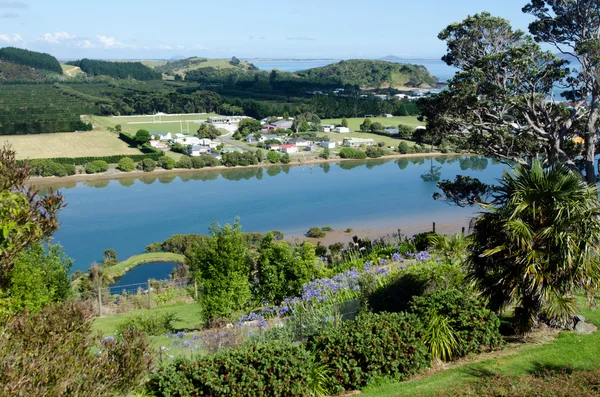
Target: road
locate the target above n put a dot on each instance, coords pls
(226, 138)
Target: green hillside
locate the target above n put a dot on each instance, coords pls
(36, 60)
(373, 74)
(14, 71)
(183, 66)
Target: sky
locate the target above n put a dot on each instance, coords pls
(305, 29)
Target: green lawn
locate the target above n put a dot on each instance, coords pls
(122, 267)
(354, 123)
(389, 141)
(168, 123)
(568, 350)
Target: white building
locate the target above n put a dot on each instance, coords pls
(387, 115)
(327, 144)
(358, 142)
(187, 140)
(226, 119)
(342, 130)
(162, 136)
(289, 149)
(400, 96)
(327, 127)
(158, 145)
(198, 150)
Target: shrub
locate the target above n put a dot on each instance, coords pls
(126, 164)
(166, 163)
(403, 148)
(315, 232)
(374, 152)
(327, 228)
(152, 324)
(372, 346)
(147, 165)
(70, 169)
(475, 327)
(422, 241)
(52, 353)
(184, 162)
(96, 166)
(249, 370)
(285, 159)
(351, 153)
(197, 162)
(418, 279)
(273, 157)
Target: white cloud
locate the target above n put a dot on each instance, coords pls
(110, 42)
(164, 47)
(11, 38)
(85, 44)
(56, 37)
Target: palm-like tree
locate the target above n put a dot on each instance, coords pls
(537, 244)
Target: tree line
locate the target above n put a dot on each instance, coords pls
(120, 70)
(37, 60)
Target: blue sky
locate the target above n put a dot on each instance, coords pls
(134, 29)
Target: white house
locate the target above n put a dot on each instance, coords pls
(198, 150)
(358, 142)
(289, 148)
(400, 96)
(162, 136)
(300, 142)
(158, 145)
(225, 119)
(188, 140)
(327, 127)
(387, 115)
(327, 144)
(342, 130)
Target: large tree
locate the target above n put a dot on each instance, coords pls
(26, 218)
(573, 28)
(538, 244)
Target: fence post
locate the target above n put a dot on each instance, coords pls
(149, 297)
(99, 301)
(196, 290)
(434, 227)
(336, 313)
(463, 230)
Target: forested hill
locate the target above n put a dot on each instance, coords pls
(373, 74)
(182, 66)
(32, 59)
(10, 71)
(120, 70)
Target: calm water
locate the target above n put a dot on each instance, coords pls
(128, 214)
(142, 273)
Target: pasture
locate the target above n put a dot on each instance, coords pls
(354, 123)
(166, 123)
(68, 144)
(389, 141)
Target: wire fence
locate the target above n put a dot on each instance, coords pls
(117, 299)
(297, 327)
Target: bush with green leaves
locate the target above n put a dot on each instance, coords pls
(96, 166)
(372, 346)
(166, 162)
(55, 353)
(417, 279)
(147, 165)
(474, 327)
(257, 370)
(70, 169)
(403, 148)
(151, 324)
(184, 162)
(126, 164)
(47, 167)
(351, 153)
(315, 232)
(273, 156)
(285, 159)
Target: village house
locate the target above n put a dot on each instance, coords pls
(198, 150)
(262, 138)
(225, 119)
(299, 142)
(158, 145)
(187, 140)
(358, 142)
(387, 115)
(342, 130)
(327, 144)
(289, 148)
(162, 136)
(274, 146)
(400, 96)
(280, 125)
(327, 127)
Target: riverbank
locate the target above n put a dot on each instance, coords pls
(119, 270)
(113, 173)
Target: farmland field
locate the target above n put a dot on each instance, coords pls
(354, 123)
(389, 141)
(168, 123)
(71, 144)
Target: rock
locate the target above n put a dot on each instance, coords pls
(584, 328)
(578, 318)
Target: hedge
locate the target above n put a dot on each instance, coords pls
(253, 371)
(372, 346)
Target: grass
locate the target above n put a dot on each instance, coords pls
(188, 317)
(389, 141)
(151, 257)
(168, 123)
(68, 144)
(70, 70)
(570, 350)
(354, 123)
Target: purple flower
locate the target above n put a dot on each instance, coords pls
(108, 339)
(383, 261)
(397, 257)
(368, 266)
(422, 256)
(180, 335)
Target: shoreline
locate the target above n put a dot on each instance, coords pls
(48, 180)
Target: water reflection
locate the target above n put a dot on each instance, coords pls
(273, 170)
(127, 182)
(97, 183)
(434, 174)
(167, 178)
